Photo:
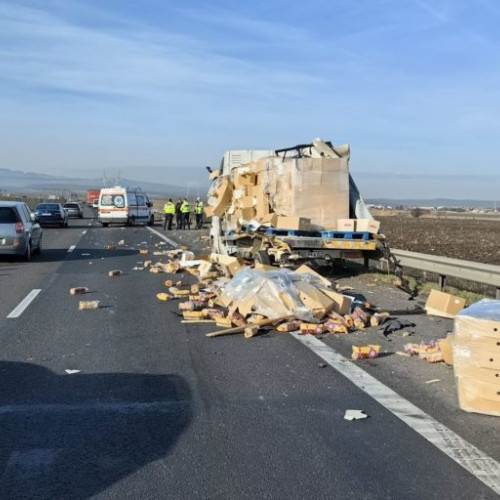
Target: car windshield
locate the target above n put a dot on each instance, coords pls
(70, 205)
(8, 215)
(48, 206)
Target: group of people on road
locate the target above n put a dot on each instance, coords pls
(181, 210)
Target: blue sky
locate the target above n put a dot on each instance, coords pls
(141, 86)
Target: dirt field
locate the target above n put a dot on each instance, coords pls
(475, 240)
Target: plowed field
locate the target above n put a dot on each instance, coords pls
(475, 240)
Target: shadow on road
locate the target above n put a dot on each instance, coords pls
(73, 436)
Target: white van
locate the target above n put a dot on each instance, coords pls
(120, 205)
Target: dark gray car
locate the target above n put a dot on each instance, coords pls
(48, 214)
(20, 234)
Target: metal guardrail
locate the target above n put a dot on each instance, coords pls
(444, 267)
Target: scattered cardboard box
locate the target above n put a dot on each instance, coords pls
(342, 303)
(314, 299)
(232, 264)
(223, 196)
(304, 269)
(443, 304)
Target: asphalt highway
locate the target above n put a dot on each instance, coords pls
(158, 411)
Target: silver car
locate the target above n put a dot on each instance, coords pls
(20, 234)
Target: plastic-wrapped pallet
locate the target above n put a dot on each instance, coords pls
(476, 357)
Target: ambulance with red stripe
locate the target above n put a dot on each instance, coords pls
(124, 205)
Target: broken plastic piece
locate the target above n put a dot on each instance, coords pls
(355, 415)
(115, 272)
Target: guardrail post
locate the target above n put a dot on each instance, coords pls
(442, 282)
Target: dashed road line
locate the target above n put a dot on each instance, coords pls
(22, 306)
(163, 237)
(480, 465)
(71, 248)
(84, 232)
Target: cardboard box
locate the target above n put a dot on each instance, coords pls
(269, 219)
(223, 197)
(262, 204)
(264, 267)
(213, 175)
(293, 223)
(208, 211)
(247, 214)
(244, 179)
(476, 396)
(348, 225)
(480, 320)
(443, 304)
(313, 188)
(341, 303)
(303, 269)
(314, 299)
(367, 226)
(446, 349)
(247, 202)
(232, 264)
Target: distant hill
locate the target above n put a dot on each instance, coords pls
(15, 181)
(435, 202)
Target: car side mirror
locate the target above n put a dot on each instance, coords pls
(149, 204)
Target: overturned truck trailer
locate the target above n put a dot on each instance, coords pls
(290, 205)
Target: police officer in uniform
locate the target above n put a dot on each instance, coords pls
(169, 209)
(186, 214)
(199, 213)
(178, 215)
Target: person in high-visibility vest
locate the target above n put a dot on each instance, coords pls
(186, 214)
(199, 213)
(169, 209)
(178, 214)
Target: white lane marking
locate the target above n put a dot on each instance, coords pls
(483, 467)
(21, 307)
(163, 237)
(71, 248)
(90, 223)
(84, 232)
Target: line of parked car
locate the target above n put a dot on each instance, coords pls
(21, 229)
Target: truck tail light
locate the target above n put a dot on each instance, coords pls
(19, 228)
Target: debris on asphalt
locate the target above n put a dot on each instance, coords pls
(110, 247)
(115, 272)
(88, 304)
(355, 415)
(72, 372)
(428, 351)
(121, 242)
(164, 296)
(78, 290)
(322, 365)
(394, 325)
(365, 352)
(433, 381)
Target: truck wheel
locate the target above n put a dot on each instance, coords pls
(262, 257)
(151, 221)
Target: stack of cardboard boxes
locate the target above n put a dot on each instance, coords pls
(476, 357)
(305, 194)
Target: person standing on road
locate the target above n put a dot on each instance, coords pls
(199, 213)
(186, 214)
(178, 215)
(169, 209)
